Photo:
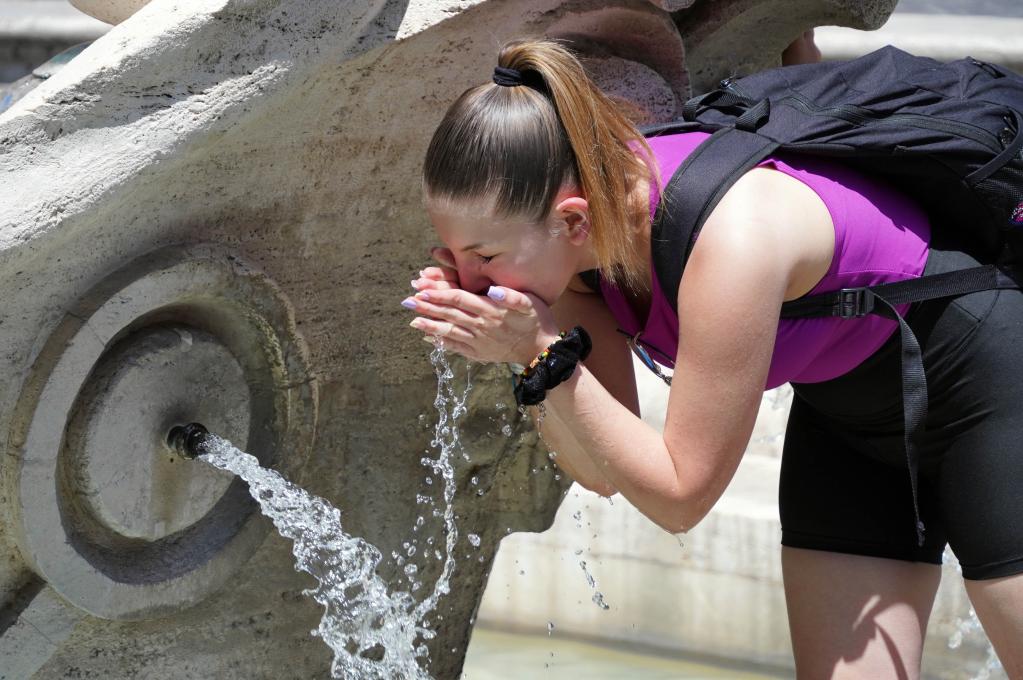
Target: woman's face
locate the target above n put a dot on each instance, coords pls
(522, 255)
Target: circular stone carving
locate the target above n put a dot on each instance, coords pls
(152, 380)
(110, 516)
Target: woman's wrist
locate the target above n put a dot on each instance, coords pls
(528, 355)
(552, 366)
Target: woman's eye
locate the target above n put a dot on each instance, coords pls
(486, 258)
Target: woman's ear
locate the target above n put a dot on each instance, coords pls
(572, 214)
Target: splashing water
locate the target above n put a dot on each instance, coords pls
(361, 618)
(598, 597)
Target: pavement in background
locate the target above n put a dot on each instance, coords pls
(995, 8)
(494, 655)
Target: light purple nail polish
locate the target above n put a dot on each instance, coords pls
(495, 293)
(424, 295)
(408, 303)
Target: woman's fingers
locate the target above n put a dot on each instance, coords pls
(456, 298)
(439, 274)
(441, 329)
(425, 303)
(510, 299)
(431, 284)
(443, 256)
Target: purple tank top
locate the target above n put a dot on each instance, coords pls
(880, 236)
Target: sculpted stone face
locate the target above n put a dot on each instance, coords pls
(247, 173)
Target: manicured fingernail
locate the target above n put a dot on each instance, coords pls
(415, 284)
(416, 323)
(423, 295)
(408, 303)
(495, 293)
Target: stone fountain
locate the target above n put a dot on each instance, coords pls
(210, 214)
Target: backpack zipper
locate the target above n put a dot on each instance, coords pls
(859, 116)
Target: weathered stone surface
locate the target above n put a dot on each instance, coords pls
(632, 50)
(268, 130)
(737, 37)
(672, 5)
(110, 11)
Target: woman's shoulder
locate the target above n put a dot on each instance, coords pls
(770, 211)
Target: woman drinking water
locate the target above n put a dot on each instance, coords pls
(543, 193)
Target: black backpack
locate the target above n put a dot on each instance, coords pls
(947, 135)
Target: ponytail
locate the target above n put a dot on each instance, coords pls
(519, 145)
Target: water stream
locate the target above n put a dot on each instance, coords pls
(375, 630)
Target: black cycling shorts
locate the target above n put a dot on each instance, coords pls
(844, 480)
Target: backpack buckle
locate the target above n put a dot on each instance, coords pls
(853, 303)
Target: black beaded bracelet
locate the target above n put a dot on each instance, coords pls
(553, 366)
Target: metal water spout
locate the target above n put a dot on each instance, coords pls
(190, 441)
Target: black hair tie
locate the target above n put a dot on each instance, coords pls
(513, 77)
(508, 77)
(554, 366)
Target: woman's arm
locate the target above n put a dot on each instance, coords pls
(728, 306)
(611, 364)
(746, 262)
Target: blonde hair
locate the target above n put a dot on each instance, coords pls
(519, 145)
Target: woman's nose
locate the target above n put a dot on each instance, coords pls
(474, 281)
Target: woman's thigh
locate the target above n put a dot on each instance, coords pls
(855, 617)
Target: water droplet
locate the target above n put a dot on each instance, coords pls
(474, 539)
(598, 597)
(550, 628)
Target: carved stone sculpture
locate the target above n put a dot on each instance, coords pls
(211, 214)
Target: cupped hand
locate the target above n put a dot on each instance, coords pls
(503, 326)
(444, 277)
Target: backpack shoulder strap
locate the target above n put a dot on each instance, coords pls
(591, 278)
(693, 192)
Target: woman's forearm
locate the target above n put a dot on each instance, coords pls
(628, 453)
(570, 456)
